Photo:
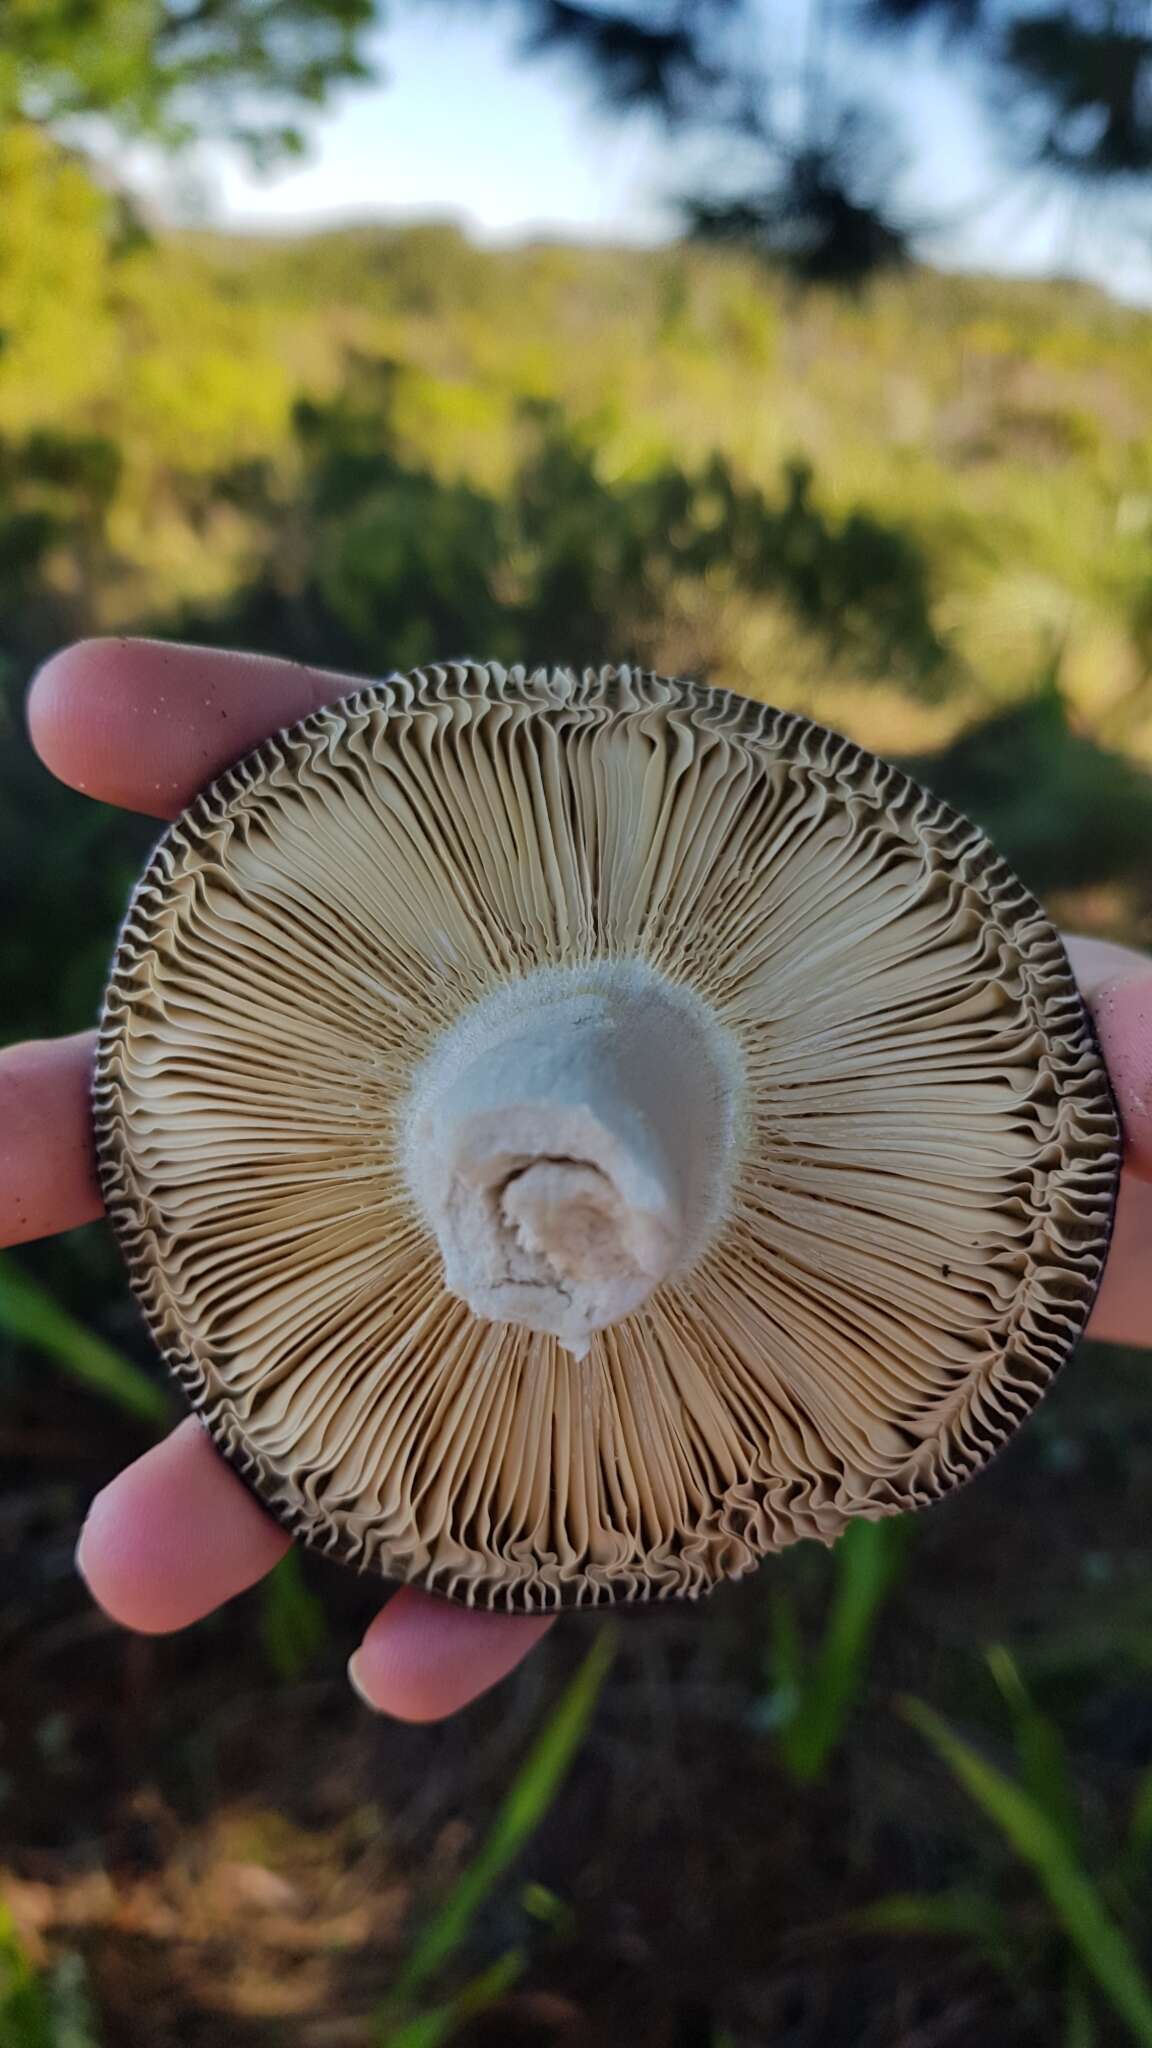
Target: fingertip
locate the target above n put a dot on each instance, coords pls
(55, 708)
(175, 1536)
(114, 718)
(423, 1659)
(112, 1576)
(146, 723)
(359, 1678)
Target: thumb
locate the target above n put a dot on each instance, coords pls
(1117, 986)
(1122, 1013)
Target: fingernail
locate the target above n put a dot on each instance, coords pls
(358, 1683)
(81, 1540)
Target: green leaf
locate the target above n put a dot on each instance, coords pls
(967, 1915)
(439, 2024)
(524, 1806)
(867, 1560)
(293, 1626)
(30, 1315)
(1040, 1749)
(1039, 1842)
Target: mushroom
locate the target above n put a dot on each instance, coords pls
(573, 1134)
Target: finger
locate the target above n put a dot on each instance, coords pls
(175, 1536)
(423, 1659)
(1117, 986)
(146, 724)
(1123, 1310)
(47, 1169)
(1122, 1011)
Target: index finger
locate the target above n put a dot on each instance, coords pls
(146, 723)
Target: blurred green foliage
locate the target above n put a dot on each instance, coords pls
(375, 551)
(371, 448)
(809, 171)
(42, 2009)
(1072, 813)
(452, 485)
(171, 70)
(1037, 1817)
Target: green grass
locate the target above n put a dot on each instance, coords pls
(1033, 1821)
(813, 1699)
(933, 403)
(1073, 1940)
(29, 1315)
(293, 1627)
(439, 2024)
(1041, 1753)
(524, 1806)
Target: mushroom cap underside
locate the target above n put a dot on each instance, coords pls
(836, 1012)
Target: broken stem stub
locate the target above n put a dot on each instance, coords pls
(569, 1140)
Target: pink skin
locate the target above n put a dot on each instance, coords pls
(144, 725)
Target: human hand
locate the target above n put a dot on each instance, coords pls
(145, 725)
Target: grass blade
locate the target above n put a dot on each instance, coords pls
(958, 1915)
(1075, 1899)
(1040, 1750)
(525, 1804)
(293, 1626)
(866, 1564)
(431, 2029)
(30, 1315)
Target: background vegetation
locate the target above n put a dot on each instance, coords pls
(895, 1797)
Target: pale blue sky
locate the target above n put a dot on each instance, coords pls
(458, 128)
